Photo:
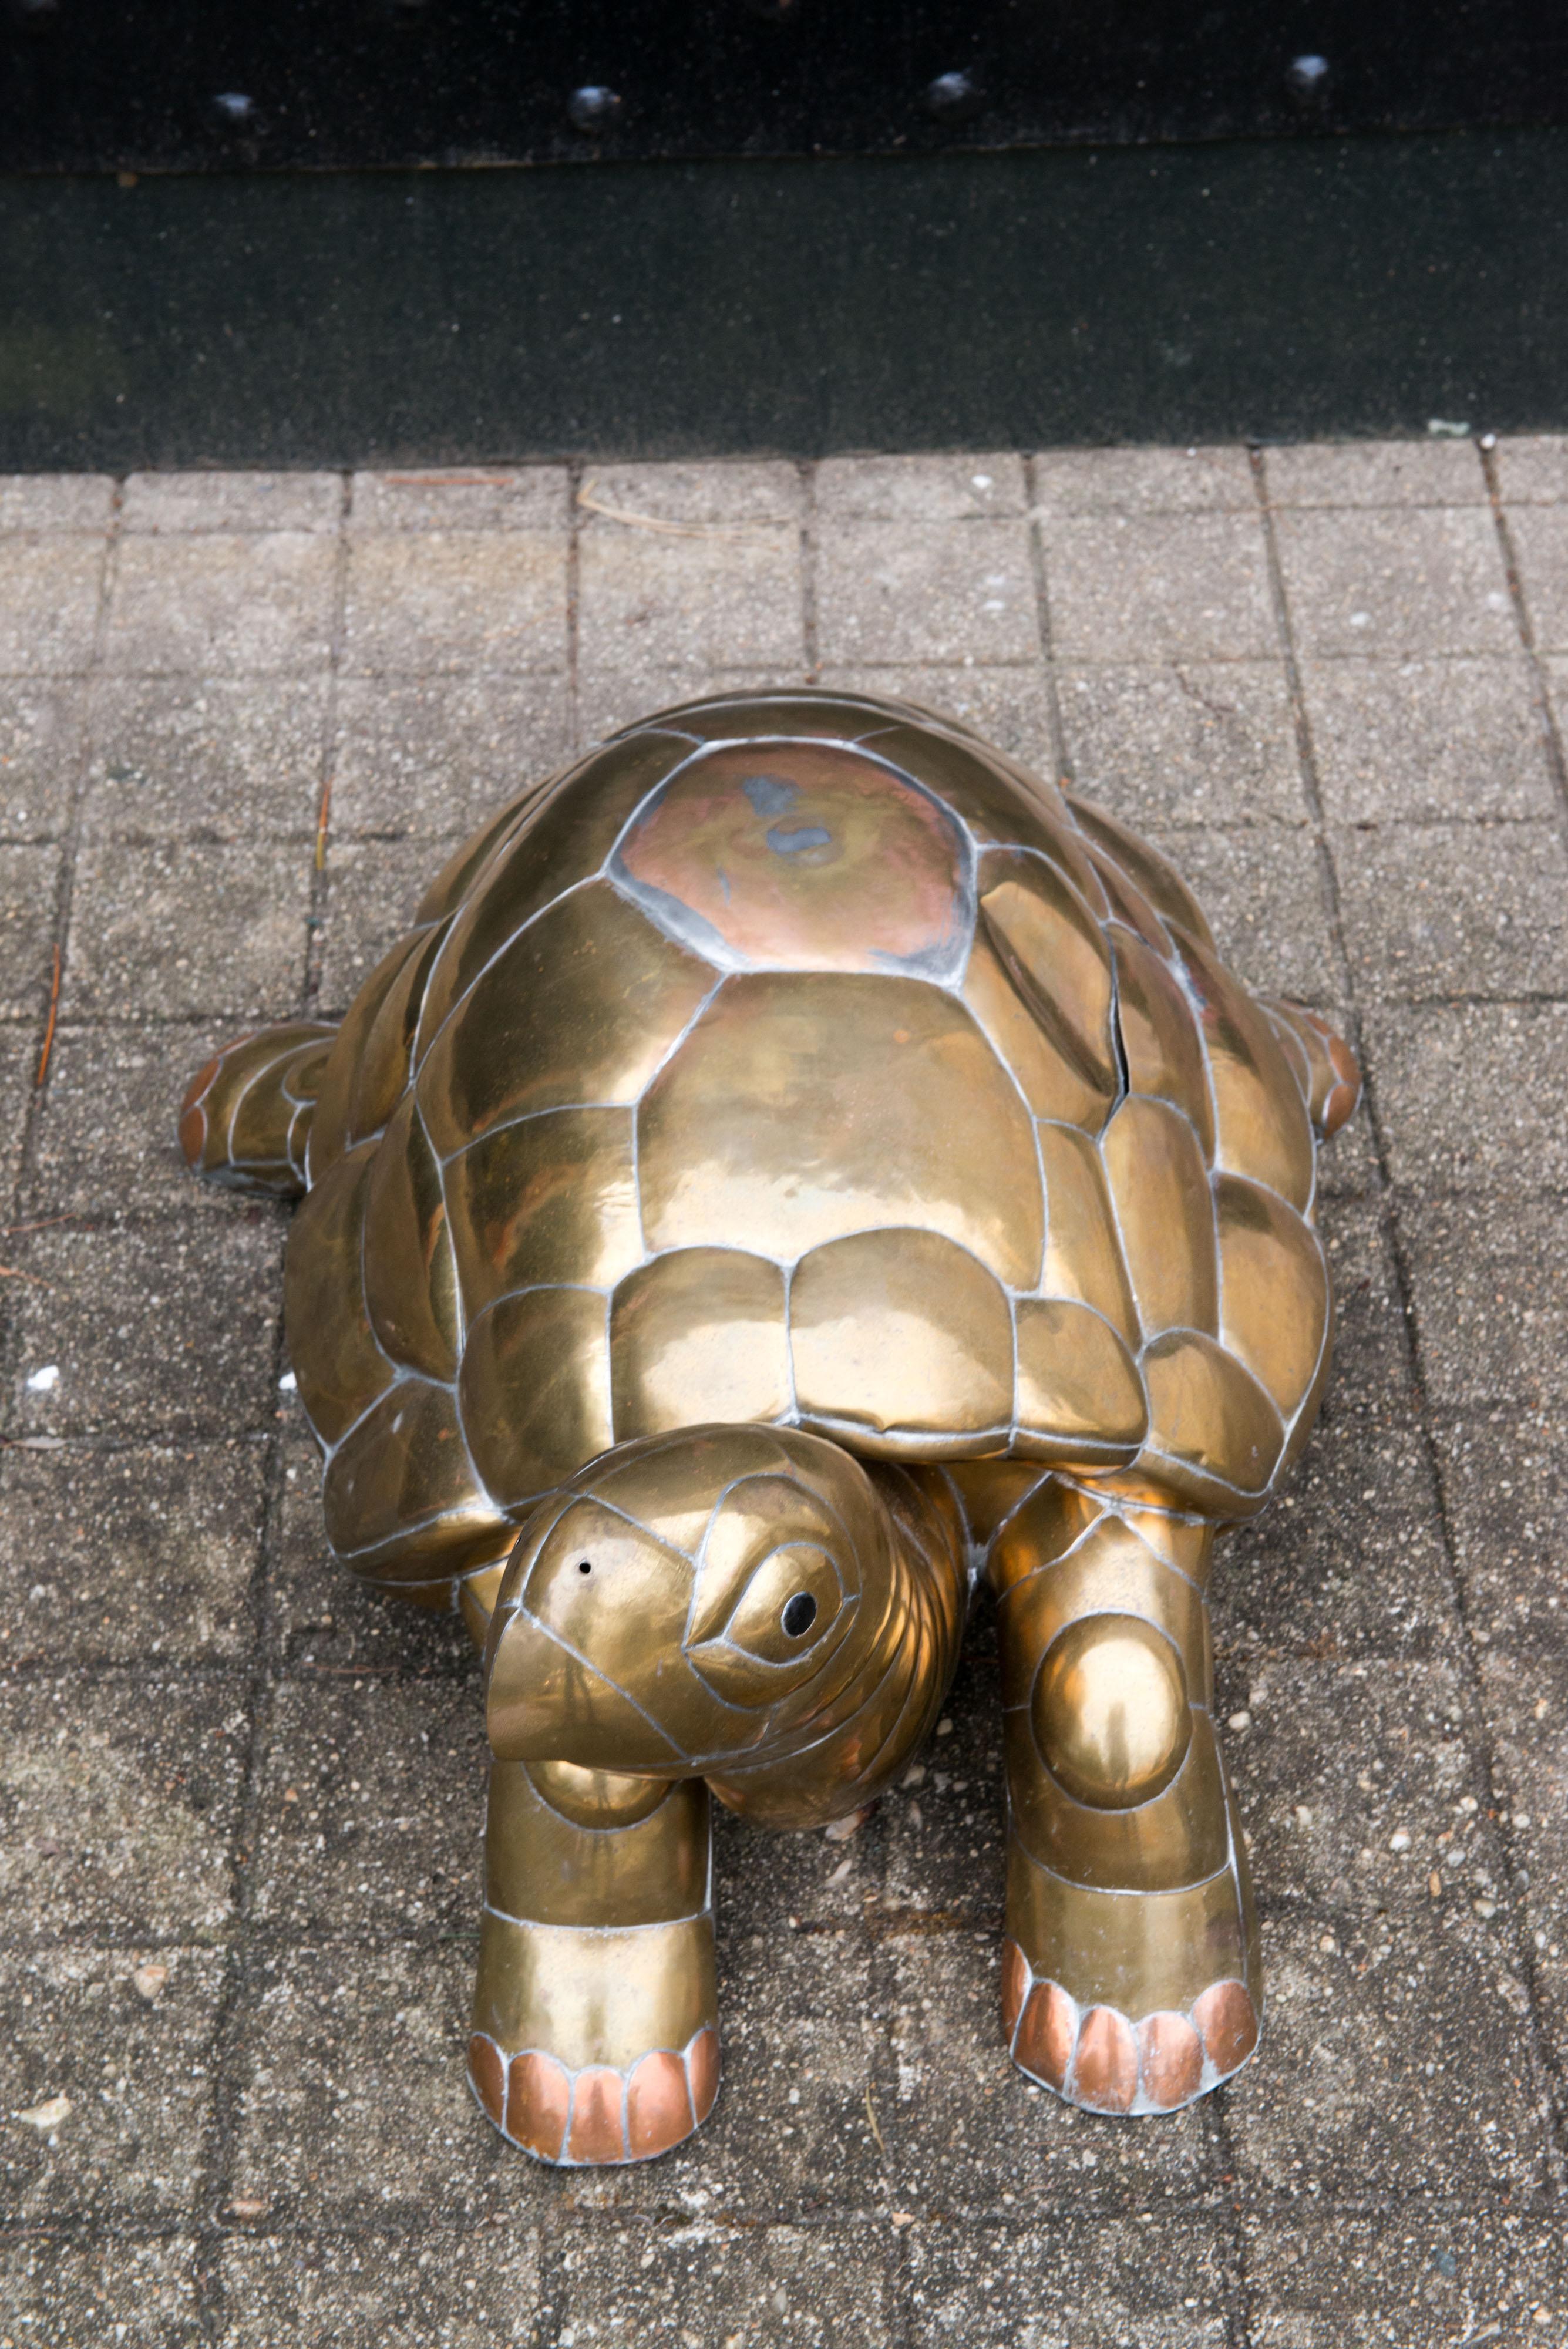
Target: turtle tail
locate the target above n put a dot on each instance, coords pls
(1325, 1066)
(246, 1116)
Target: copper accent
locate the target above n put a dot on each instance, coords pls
(598, 2132)
(1229, 2023)
(1104, 2062)
(538, 2103)
(702, 2072)
(657, 2106)
(799, 1159)
(487, 2072)
(1046, 2034)
(1015, 1986)
(1170, 2053)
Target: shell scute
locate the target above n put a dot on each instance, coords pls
(1056, 955)
(1262, 1128)
(561, 838)
(367, 1071)
(534, 1389)
(409, 1273)
(805, 856)
(400, 1495)
(1148, 872)
(698, 1334)
(905, 1338)
(1084, 1256)
(580, 1008)
(338, 1366)
(1080, 1399)
(1273, 1281)
(1165, 1212)
(1162, 1047)
(547, 1200)
(806, 1107)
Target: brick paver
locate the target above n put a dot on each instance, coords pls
(242, 719)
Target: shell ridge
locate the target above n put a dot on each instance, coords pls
(424, 1046)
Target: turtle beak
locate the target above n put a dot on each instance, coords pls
(585, 1663)
(545, 1703)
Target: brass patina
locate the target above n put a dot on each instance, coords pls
(800, 1162)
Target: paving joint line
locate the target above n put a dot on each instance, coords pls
(231, 2056)
(1540, 690)
(69, 845)
(1039, 571)
(1549, 2075)
(316, 912)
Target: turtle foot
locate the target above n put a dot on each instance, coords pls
(595, 2117)
(1103, 2060)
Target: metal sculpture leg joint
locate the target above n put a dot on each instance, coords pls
(1130, 1973)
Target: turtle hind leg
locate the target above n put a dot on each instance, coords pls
(1131, 1980)
(246, 1115)
(595, 2033)
(1325, 1066)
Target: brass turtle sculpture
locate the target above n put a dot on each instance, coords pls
(798, 1161)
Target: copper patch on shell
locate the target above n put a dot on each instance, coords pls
(1043, 2047)
(657, 2105)
(1014, 1985)
(702, 2071)
(599, 2126)
(1172, 2056)
(1229, 2022)
(803, 855)
(1104, 2074)
(538, 2099)
(487, 2070)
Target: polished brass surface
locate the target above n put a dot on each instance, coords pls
(547, 1201)
(1109, 1711)
(1097, 1564)
(1165, 1207)
(1083, 1252)
(1078, 1397)
(339, 1367)
(1051, 1082)
(1174, 1836)
(798, 1160)
(240, 1119)
(807, 1107)
(410, 1273)
(1056, 954)
(1262, 1126)
(700, 1334)
(902, 1342)
(1275, 1284)
(1139, 1951)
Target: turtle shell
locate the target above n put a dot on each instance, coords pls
(797, 1058)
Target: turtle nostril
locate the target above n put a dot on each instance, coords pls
(585, 1567)
(799, 1615)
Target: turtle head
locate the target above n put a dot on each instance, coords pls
(687, 1603)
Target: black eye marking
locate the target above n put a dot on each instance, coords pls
(799, 1615)
(585, 1565)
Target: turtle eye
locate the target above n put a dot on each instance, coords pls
(799, 1615)
(788, 1607)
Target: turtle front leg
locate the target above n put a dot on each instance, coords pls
(1131, 1980)
(594, 2034)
